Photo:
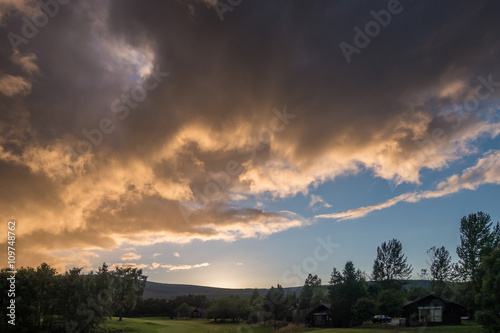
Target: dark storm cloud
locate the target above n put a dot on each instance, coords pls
(155, 152)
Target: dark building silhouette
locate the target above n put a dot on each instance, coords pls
(432, 311)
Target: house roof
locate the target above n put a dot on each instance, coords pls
(445, 301)
(320, 309)
(200, 310)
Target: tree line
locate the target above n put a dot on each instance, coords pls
(473, 281)
(76, 302)
(71, 302)
(355, 296)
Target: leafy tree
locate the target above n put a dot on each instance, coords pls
(496, 236)
(151, 307)
(346, 288)
(441, 271)
(26, 299)
(364, 309)
(242, 308)
(275, 302)
(46, 287)
(184, 310)
(476, 238)
(86, 300)
(254, 299)
(129, 286)
(320, 296)
(391, 265)
(311, 284)
(291, 303)
(229, 307)
(50, 302)
(476, 235)
(390, 302)
(415, 292)
(489, 298)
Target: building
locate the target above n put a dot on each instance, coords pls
(320, 316)
(198, 313)
(432, 311)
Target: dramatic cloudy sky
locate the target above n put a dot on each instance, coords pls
(248, 143)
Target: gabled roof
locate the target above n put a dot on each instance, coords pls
(200, 310)
(445, 301)
(316, 310)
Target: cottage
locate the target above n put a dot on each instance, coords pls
(431, 311)
(198, 313)
(319, 316)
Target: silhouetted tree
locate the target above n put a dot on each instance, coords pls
(184, 310)
(275, 301)
(364, 309)
(477, 235)
(441, 271)
(311, 284)
(489, 297)
(390, 302)
(49, 302)
(346, 288)
(229, 307)
(129, 285)
(391, 265)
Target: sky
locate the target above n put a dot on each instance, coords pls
(245, 143)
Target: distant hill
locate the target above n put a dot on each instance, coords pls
(169, 291)
(418, 283)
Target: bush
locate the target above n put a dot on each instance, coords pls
(292, 328)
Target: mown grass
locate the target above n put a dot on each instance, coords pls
(466, 327)
(164, 324)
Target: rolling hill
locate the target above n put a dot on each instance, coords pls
(170, 291)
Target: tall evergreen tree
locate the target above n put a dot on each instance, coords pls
(275, 300)
(346, 288)
(477, 237)
(311, 284)
(476, 234)
(489, 297)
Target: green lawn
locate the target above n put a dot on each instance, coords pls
(164, 324)
(466, 327)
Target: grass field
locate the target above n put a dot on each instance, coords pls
(164, 324)
(466, 327)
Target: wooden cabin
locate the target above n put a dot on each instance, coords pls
(432, 311)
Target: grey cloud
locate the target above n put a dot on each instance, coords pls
(225, 79)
